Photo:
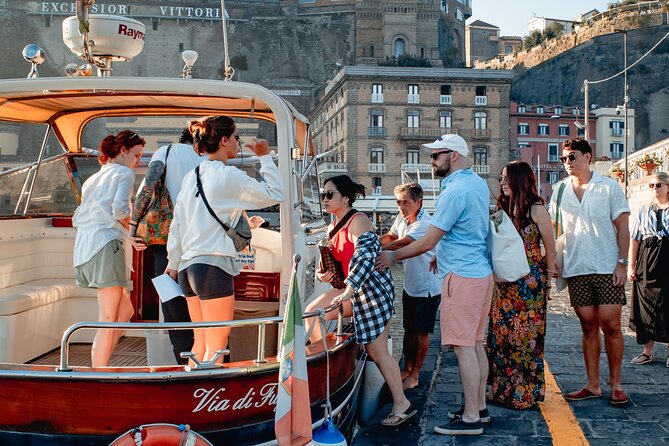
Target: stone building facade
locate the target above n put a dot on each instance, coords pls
(372, 121)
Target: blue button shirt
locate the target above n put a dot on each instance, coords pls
(462, 211)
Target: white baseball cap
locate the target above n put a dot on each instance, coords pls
(449, 142)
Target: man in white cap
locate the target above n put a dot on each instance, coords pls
(459, 229)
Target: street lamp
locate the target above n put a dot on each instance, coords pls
(625, 106)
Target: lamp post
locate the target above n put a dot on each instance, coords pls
(557, 137)
(625, 106)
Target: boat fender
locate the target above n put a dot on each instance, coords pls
(328, 435)
(161, 434)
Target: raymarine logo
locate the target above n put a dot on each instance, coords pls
(130, 32)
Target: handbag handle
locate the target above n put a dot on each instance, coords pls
(558, 212)
(340, 224)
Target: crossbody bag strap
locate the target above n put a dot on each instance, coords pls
(163, 176)
(200, 192)
(558, 211)
(340, 224)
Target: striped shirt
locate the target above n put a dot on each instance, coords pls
(644, 224)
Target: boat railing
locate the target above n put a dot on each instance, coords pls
(260, 322)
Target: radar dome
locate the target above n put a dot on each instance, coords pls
(111, 36)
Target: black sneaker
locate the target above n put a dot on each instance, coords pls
(459, 427)
(484, 415)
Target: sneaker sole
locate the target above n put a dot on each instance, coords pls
(441, 430)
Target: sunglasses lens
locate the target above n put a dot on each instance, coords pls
(327, 195)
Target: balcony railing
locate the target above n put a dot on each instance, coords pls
(376, 132)
(426, 133)
(413, 168)
(445, 99)
(413, 99)
(376, 168)
(481, 134)
(377, 98)
(377, 190)
(617, 132)
(481, 100)
(481, 169)
(332, 167)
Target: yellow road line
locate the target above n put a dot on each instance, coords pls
(562, 424)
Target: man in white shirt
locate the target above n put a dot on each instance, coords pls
(422, 289)
(594, 217)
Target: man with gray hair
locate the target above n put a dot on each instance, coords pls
(459, 230)
(422, 290)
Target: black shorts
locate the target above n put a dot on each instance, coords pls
(594, 289)
(205, 281)
(419, 312)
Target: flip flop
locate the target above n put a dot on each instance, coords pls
(619, 398)
(399, 417)
(641, 358)
(579, 395)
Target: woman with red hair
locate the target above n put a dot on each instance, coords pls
(518, 313)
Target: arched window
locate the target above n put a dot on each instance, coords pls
(371, 51)
(400, 47)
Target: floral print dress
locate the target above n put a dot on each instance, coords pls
(516, 334)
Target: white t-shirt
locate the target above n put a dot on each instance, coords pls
(419, 281)
(590, 244)
(182, 160)
(105, 199)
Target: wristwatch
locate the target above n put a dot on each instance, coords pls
(623, 261)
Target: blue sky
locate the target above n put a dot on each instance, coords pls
(511, 16)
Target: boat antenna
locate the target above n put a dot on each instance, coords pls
(228, 70)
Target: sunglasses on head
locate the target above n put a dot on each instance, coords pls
(329, 194)
(570, 157)
(435, 155)
(655, 185)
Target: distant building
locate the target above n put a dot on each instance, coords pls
(536, 134)
(510, 44)
(611, 132)
(481, 41)
(373, 121)
(541, 23)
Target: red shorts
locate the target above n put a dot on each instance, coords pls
(465, 304)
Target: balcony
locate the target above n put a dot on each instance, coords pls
(331, 167)
(413, 99)
(413, 168)
(481, 100)
(445, 99)
(376, 168)
(617, 132)
(376, 132)
(426, 133)
(377, 190)
(481, 134)
(377, 98)
(481, 169)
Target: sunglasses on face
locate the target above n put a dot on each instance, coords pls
(570, 157)
(435, 155)
(329, 194)
(655, 185)
(503, 179)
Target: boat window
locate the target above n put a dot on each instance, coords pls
(311, 204)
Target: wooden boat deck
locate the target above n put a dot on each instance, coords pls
(130, 352)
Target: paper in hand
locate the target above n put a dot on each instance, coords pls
(166, 287)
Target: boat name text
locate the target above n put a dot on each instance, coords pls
(57, 8)
(214, 399)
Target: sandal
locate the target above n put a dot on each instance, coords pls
(642, 358)
(395, 419)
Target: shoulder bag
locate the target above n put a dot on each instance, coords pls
(240, 234)
(560, 282)
(154, 226)
(328, 262)
(506, 248)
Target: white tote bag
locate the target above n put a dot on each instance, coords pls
(506, 249)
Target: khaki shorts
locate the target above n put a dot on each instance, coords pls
(106, 268)
(465, 304)
(594, 289)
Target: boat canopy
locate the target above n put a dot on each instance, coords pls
(68, 104)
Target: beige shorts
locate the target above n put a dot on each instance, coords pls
(106, 268)
(465, 304)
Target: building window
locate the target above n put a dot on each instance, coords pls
(563, 130)
(377, 93)
(444, 6)
(371, 51)
(400, 47)
(481, 95)
(508, 49)
(459, 15)
(552, 153)
(413, 118)
(617, 150)
(376, 118)
(558, 110)
(445, 119)
(413, 155)
(553, 176)
(617, 128)
(376, 186)
(481, 156)
(540, 110)
(376, 155)
(480, 120)
(576, 111)
(422, 53)
(523, 129)
(521, 109)
(544, 129)
(47, 21)
(523, 145)
(481, 90)
(412, 94)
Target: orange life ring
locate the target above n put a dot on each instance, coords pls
(161, 434)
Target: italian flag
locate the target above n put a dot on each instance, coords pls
(292, 422)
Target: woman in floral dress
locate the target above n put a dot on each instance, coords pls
(518, 313)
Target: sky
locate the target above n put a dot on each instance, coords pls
(511, 16)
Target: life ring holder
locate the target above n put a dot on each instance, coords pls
(161, 434)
